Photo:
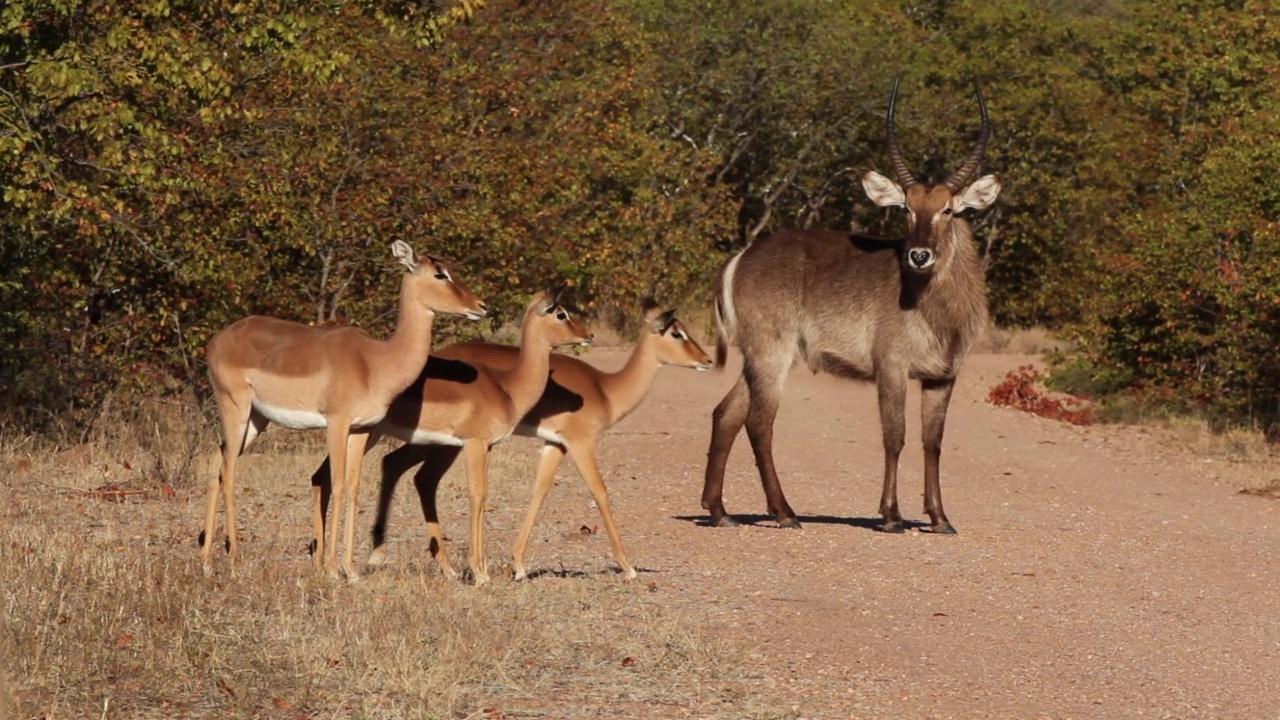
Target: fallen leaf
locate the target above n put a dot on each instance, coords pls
(940, 614)
(167, 490)
(224, 687)
(585, 530)
(124, 640)
(628, 662)
(652, 585)
(282, 703)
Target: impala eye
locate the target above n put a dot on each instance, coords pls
(562, 315)
(677, 335)
(442, 275)
(946, 211)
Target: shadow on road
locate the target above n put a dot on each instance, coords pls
(866, 523)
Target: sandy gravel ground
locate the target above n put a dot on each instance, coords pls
(1099, 572)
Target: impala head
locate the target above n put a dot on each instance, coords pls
(931, 209)
(431, 283)
(674, 344)
(558, 326)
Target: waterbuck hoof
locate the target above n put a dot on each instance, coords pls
(942, 528)
(790, 523)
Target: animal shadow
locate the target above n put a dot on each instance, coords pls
(874, 524)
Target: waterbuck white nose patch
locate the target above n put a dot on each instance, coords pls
(920, 259)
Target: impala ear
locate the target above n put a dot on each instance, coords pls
(660, 322)
(979, 195)
(883, 191)
(404, 253)
(548, 299)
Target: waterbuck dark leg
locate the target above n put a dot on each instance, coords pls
(765, 384)
(726, 422)
(892, 390)
(935, 395)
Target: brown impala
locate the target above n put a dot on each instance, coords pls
(859, 308)
(266, 370)
(578, 406)
(471, 408)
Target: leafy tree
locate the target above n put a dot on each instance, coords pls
(1190, 305)
(168, 167)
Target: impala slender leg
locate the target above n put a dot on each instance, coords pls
(548, 461)
(726, 422)
(765, 379)
(357, 442)
(935, 396)
(336, 432)
(584, 456)
(892, 391)
(235, 425)
(477, 459)
(437, 459)
(257, 423)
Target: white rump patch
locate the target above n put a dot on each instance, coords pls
(728, 325)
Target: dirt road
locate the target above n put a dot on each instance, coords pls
(1099, 572)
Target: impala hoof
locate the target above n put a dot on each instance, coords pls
(894, 528)
(377, 558)
(790, 523)
(942, 528)
(724, 521)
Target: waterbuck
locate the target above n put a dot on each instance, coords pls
(860, 308)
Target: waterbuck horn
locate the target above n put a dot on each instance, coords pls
(900, 171)
(961, 176)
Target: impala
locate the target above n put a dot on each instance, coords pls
(579, 405)
(861, 308)
(266, 370)
(469, 407)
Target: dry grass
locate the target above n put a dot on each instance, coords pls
(1242, 457)
(1021, 341)
(107, 614)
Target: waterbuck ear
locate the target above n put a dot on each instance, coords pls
(404, 253)
(979, 195)
(883, 191)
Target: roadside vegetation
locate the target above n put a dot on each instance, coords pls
(166, 167)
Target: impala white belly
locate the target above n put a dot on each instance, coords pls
(418, 436)
(293, 418)
(542, 434)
